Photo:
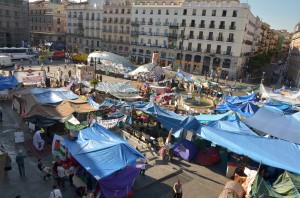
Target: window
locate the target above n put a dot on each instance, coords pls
(218, 51)
(224, 13)
(214, 13)
(167, 12)
(199, 47)
(49, 29)
(234, 14)
(194, 12)
(159, 12)
(58, 20)
(228, 50)
(151, 11)
(58, 29)
(176, 12)
(184, 11)
(203, 12)
(208, 48)
(136, 11)
(87, 42)
(117, 11)
(144, 11)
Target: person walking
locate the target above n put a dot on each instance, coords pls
(55, 193)
(71, 174)
(48, 68)
(7, 166)
(61, 175)
(70, 73)
(177, 188)
(21, 164)
(100, 78)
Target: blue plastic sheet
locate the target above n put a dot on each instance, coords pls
(52, 95)
(93, 103)
(239, 99)
(102, 152)
(269, 151)
(247, 109)
(203, 118)
(8, 82)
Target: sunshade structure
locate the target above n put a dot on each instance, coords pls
(286, 185)
(203, 118)
(152, 69)
(273, 152)
(111, 62)
(180, 75)
(110, 159)
(239, 99)
(52, 95)
(284, 95)
(246, 109)
(114, 87)
(272, 121)
(7, 82)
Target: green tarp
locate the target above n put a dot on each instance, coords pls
(76, 127)
(287, 185)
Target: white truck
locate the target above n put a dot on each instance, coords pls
(5, 61)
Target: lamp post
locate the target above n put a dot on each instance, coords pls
(182, 37)
(263, 76)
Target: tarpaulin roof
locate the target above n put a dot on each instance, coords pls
(286, 185)
(189, 123)
(283, 95)
(247, 109)
(183, 75)
(239, 99)
(137, 104)
(93, 103)
(102, 152)
(269, 151)
(203, 118)
(143, 69)
(41, 121)
(82, 107)
(113, 87)
(167, 118)
(126, 96)
(279, 105)
(52, 95)
(272, 121)
(8, 82)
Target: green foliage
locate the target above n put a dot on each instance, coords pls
(261, 60)
(94, 82)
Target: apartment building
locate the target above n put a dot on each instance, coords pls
(201, 36)
(14, 28)
(293, 67)
(116, 27)
(47, 22)
(84, 23)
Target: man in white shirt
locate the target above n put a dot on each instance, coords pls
(55, 193)
(61, 175)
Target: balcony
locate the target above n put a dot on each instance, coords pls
(230, 40)
(200, 37)
(221, 26)
(142, 22)
(199, 50)
(128, 22)
(202, 25)
(80, 17)
(115, 31)
(104, 30)
(218, 52)
(191, 36)
(135, 23)
(150, 23)
(133, 43)
(173, 26)
(212, 26)
(166, 23)
(228, 53)
(188, 49)
(207, 51)
(192, 25)
(210, 38)
(121, 21)
(157, 23)
(174, 36)
(232, 27)
(220, 39)
(134, 33)
(183, 24)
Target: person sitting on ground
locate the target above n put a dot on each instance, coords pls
(45, 170)
(38, 142)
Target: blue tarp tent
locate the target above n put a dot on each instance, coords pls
(167, 118)
(52, 95)
(183, 75)
(203, 118)
(279, 105)
(7, 82)
(239, 99)
(137, 104)
(93, 103)
(269, 151)
(104, 155)
(272, 121)
(190, 123)
(247, 109)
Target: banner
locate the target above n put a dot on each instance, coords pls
(59, 147)
(154, 58)
(30, 77)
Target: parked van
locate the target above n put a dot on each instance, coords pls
(5, 61)
(57, 55)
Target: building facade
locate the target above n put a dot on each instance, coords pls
(199, 36)
(116, 27)
(84, 24)
(293, 67)
(14, 28)
(47, 22)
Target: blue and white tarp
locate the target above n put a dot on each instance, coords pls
(239, 99)
(269, 151)
(102, 152)
(184, 75)
(52, 95)
(8, 82)
(247, 109)
(93, 103)
(272, 121)
(203, 118)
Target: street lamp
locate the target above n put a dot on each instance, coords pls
(182, 37)
(263, 76)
